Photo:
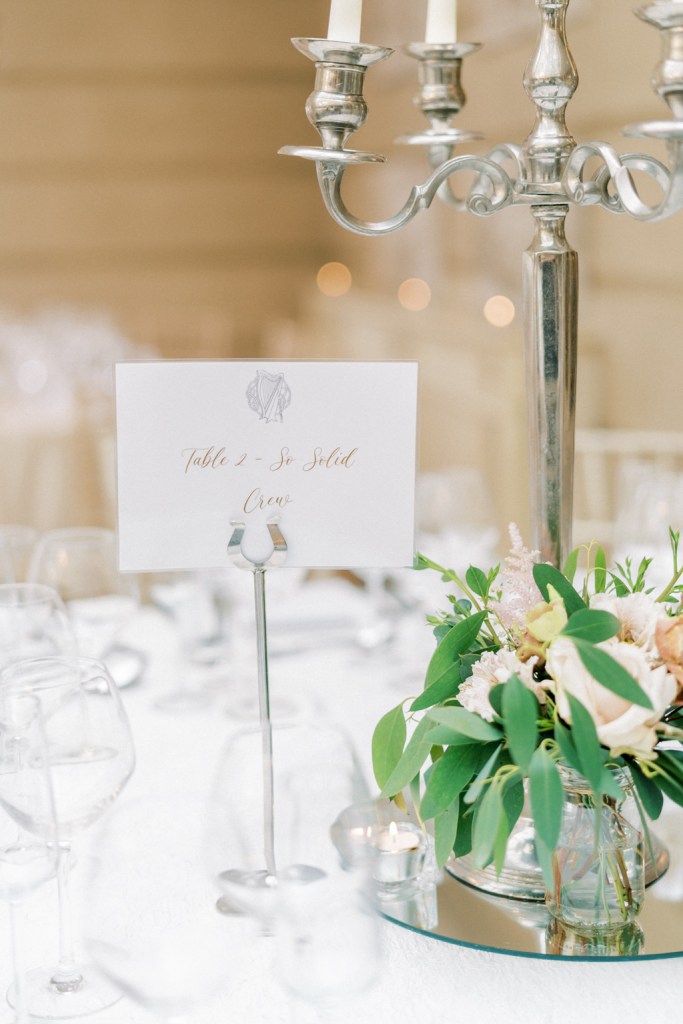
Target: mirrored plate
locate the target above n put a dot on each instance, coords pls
(456, 912)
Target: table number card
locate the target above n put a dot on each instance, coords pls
(328, 447)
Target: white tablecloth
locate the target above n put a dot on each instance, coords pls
(422, 979)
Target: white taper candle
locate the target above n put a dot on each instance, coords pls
(442, 17)
(344, 24)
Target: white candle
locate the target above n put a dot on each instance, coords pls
(344, 24)
(399, 854)
(442, 16)
(390, 840)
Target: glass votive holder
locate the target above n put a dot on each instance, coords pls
(397, 857)
(351, 831)
(414, 904)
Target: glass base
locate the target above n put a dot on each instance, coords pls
(521, 877)
(46, 1000)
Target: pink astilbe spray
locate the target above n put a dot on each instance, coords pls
(518, 590)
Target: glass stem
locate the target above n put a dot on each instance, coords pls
(66, 977)
(16, 922)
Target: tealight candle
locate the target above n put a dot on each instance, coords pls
(442, 16)
(399, 851)
(344, 23)
(391, 840)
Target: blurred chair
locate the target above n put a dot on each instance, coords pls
(628, 489)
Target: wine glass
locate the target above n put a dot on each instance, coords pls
(328, 939)
(187, 599)
(253, 797)
(28, 829)
(80, 563)
(91, 757)
(16, 544)
(151, 923)
(33, 623)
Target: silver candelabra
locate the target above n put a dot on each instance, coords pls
(548, 173)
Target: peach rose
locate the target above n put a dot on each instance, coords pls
(669, 640)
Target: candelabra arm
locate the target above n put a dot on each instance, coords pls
(612, 186)
(483, 186)
(495, 191)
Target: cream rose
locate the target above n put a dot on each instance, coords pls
(638, 616)
(621, 726)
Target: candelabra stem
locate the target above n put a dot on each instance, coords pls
(551, 316)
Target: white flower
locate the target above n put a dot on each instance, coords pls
(638, 615)
(621, 726)
(518, 590)
(491, 669)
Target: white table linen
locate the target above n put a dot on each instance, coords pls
(422, 979)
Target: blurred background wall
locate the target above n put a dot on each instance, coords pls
(144, 211)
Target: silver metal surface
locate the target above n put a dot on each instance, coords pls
(342, 156)
(548, 170)
(551, 291)
(550, 81)
(330, 51)
(277, 557)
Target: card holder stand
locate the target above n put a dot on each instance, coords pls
(276, 558)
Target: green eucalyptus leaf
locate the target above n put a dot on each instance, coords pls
(592, 624)
(411, 761)
(501, 844)
(388, 741)
(445, 832)
(570, 565)
(610, 674)
(650, 795)
(547, 575)
(544, 856)
(600, 573)
(444, 661)
(466, 663)
(496, 698)
(670, 786)
(441, 631)
(490, 755)
(448, 778)
(488, 815)
(447, 737)
(547, 797)
(463, 840)
(673, 759)
(466, 723)
(444, 688)
(477, 581)
(513, 801)
(609, 784)
(589, 752)
(520, 715)
(565, 742)
(415, 790)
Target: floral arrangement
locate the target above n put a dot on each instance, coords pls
(535, 669)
